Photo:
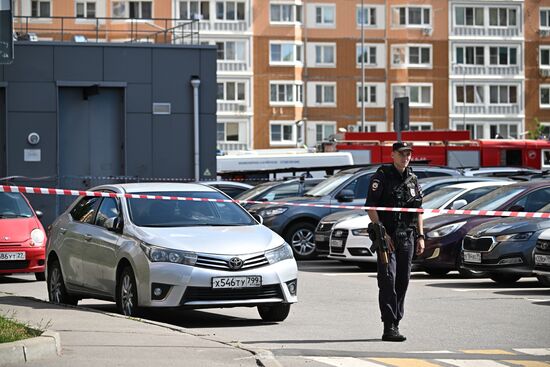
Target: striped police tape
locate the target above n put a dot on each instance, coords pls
(65, 192)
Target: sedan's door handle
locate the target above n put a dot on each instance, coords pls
(62, 230)
(88, 237)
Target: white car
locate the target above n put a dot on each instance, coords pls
(349, 240)
(542, 258)
(169, 253)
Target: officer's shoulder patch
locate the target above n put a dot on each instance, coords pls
(375, 184)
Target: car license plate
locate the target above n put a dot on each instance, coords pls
(472, 257)
(542, 259)
(336, 243)
(320, 237)
(237, 282)
(10, 256)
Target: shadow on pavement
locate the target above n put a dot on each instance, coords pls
(484, 284)
(6, 279)
(332, 266)
(311, 341)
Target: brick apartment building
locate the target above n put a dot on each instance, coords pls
(290, 72)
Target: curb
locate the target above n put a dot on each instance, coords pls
(45, 346)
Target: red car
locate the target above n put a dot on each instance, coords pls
(22, 237)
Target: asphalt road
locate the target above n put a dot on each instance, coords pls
(449, 321)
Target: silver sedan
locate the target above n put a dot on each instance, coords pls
(169, 253)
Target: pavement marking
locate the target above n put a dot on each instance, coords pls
(342, 274)
(493, 289)
(472, 362)
(344, 362)
(487, 351)
(405, 362)
(528, 363)
(535, 351)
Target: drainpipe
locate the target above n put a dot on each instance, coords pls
(195, 83)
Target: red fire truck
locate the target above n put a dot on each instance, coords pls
(446, 148)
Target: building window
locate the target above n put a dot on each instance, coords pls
(231, 51)
(85, 9)
(545, 18)
(230, 10)
(285, 93)
(40, 8)
(544, 58)
(503, 94)
(323, 130)
(369, 93)
(469, 94)
(366, 16)
(325, 55)
(133, 9)
(470, 55)
(325, 15)
(503, 130)
(545, 133)
(368, 55)
(282, 133)
(231, 91)
(503, 55)
(228, 132)
(419, 95)
(476, 129)
(411, 16)
(421, 126)
(194, 10)
(467, 16)
(285, 13)
(285, 53)
(545, 96)
(502, 17)
(325, 94)
(405, 55)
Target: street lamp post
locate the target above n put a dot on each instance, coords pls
(363, 94)
(195, 83)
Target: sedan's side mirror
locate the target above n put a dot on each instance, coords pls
(345, 196)
(113, 224)
(39, 214)
(258, 218)
(458, 204)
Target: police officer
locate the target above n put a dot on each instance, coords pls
(396, 185)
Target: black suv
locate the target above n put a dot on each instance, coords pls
(349, 187)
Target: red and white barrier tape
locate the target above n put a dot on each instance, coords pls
(63, 192)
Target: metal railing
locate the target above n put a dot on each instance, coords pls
(107, 29)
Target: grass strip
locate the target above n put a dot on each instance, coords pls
(11, 330)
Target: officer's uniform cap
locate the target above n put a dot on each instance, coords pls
(401, 146)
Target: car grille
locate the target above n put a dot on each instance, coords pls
(324, 227)
(543, 245)
(12, 265)
(478, 243)
(194, 294)
(222, 262)
(339, 234)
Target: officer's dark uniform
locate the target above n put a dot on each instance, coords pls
(390, 188)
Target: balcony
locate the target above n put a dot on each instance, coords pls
(487, 110)
(238, 66)
(486, 32)
(232, 146)
(484, 70)
(213, 26)
(236, 107)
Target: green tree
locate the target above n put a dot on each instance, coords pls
(537, 131)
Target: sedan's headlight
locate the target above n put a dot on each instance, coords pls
(161, 254)
(360, 232)
(272, 212)
(37, 237)
(514, 237)
(445, 230)
(279, 254)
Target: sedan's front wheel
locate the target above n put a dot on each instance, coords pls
(274, 313)
(57, 293)
(126, 293)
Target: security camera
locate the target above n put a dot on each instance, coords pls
(33, 138)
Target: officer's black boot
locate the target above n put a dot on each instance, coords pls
(391, 333)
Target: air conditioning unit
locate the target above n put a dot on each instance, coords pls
(544, 72)
(427, 31)
(544, 32)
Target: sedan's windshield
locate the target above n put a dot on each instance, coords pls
(13, 205)
(495, 199)
(327, 186)
(436, 199)
(253, 192)
(178, 213)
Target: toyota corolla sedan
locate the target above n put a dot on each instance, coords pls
(542, 258)
(22, 237)
(169, 253)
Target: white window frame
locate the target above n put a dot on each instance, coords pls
(323, 8)
(225, 13)
(507, 8)
(546, 126)
(541, 87)
(370, 88)
(297, 52)
(226, 86)
(455, 14)
(465, 47)
(507, 86)
(199, 13)
(508, 55)
(297, 93)
(477, 87)
(359, 16)
(547, 11)
(407, 54)
(507, 125)
(408, 87)
(84, 4)
(126, 8)
(293, 141)
(240, 129)
(322, 46)
(323, 125)
(545, 49)
(296, 13)
(370, 127)
(237, 45)
(368, 59)
(396, 23)
(38, 12)
(314, 94)
(421, 126)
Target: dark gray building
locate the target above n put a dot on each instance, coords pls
(75, 115)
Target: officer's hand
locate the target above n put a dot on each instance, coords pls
(391, 248)
(419, 246)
